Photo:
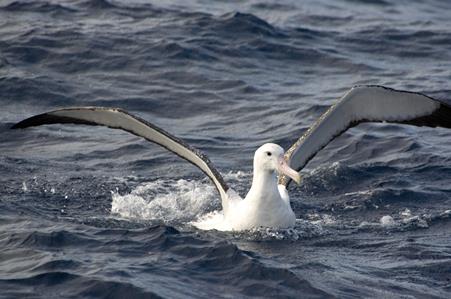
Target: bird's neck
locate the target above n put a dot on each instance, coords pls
(264, 186)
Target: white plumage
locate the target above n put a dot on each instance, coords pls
(266, 204)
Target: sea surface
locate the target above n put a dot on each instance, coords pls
(90, 212)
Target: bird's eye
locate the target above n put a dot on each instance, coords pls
(268, 154)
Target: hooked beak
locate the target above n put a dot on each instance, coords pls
(283, 168)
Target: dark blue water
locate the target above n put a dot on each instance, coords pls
(91, 212)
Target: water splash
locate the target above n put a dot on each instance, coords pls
(24, 187)
(167, 200)
(403, 222)
(197, 203)
(303, 229)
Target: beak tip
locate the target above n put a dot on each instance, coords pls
(298, 179)
(288, 171)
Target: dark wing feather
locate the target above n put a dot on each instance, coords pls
(121, 119)
(366, 104)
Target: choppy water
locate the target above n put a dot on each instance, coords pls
(97, 213)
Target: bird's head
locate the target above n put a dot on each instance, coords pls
(269, 157)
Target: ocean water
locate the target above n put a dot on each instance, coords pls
(90, 212)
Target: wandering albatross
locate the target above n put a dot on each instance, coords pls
(267, 203)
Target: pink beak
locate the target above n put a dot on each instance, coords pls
(283, 168)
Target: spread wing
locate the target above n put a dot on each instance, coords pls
(120, 119)
(366, 104)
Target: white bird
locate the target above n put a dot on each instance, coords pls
(267, 203)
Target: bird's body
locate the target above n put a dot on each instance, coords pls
(264, 205)
(267, 203)
(267, 208)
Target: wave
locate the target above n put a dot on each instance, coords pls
(37, 7)
(93, 212)
(221, 261)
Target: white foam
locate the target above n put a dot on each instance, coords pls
(322, 219)
(416, 221)
(239, 175)
(406, 213)
(387, 221)
(406, 222)
(167, 200)
(213, 220)
(216, 220)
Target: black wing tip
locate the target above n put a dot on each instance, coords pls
(17, 126)
(444, 102)
(31, 122)
(441, 117)
(49, 118)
